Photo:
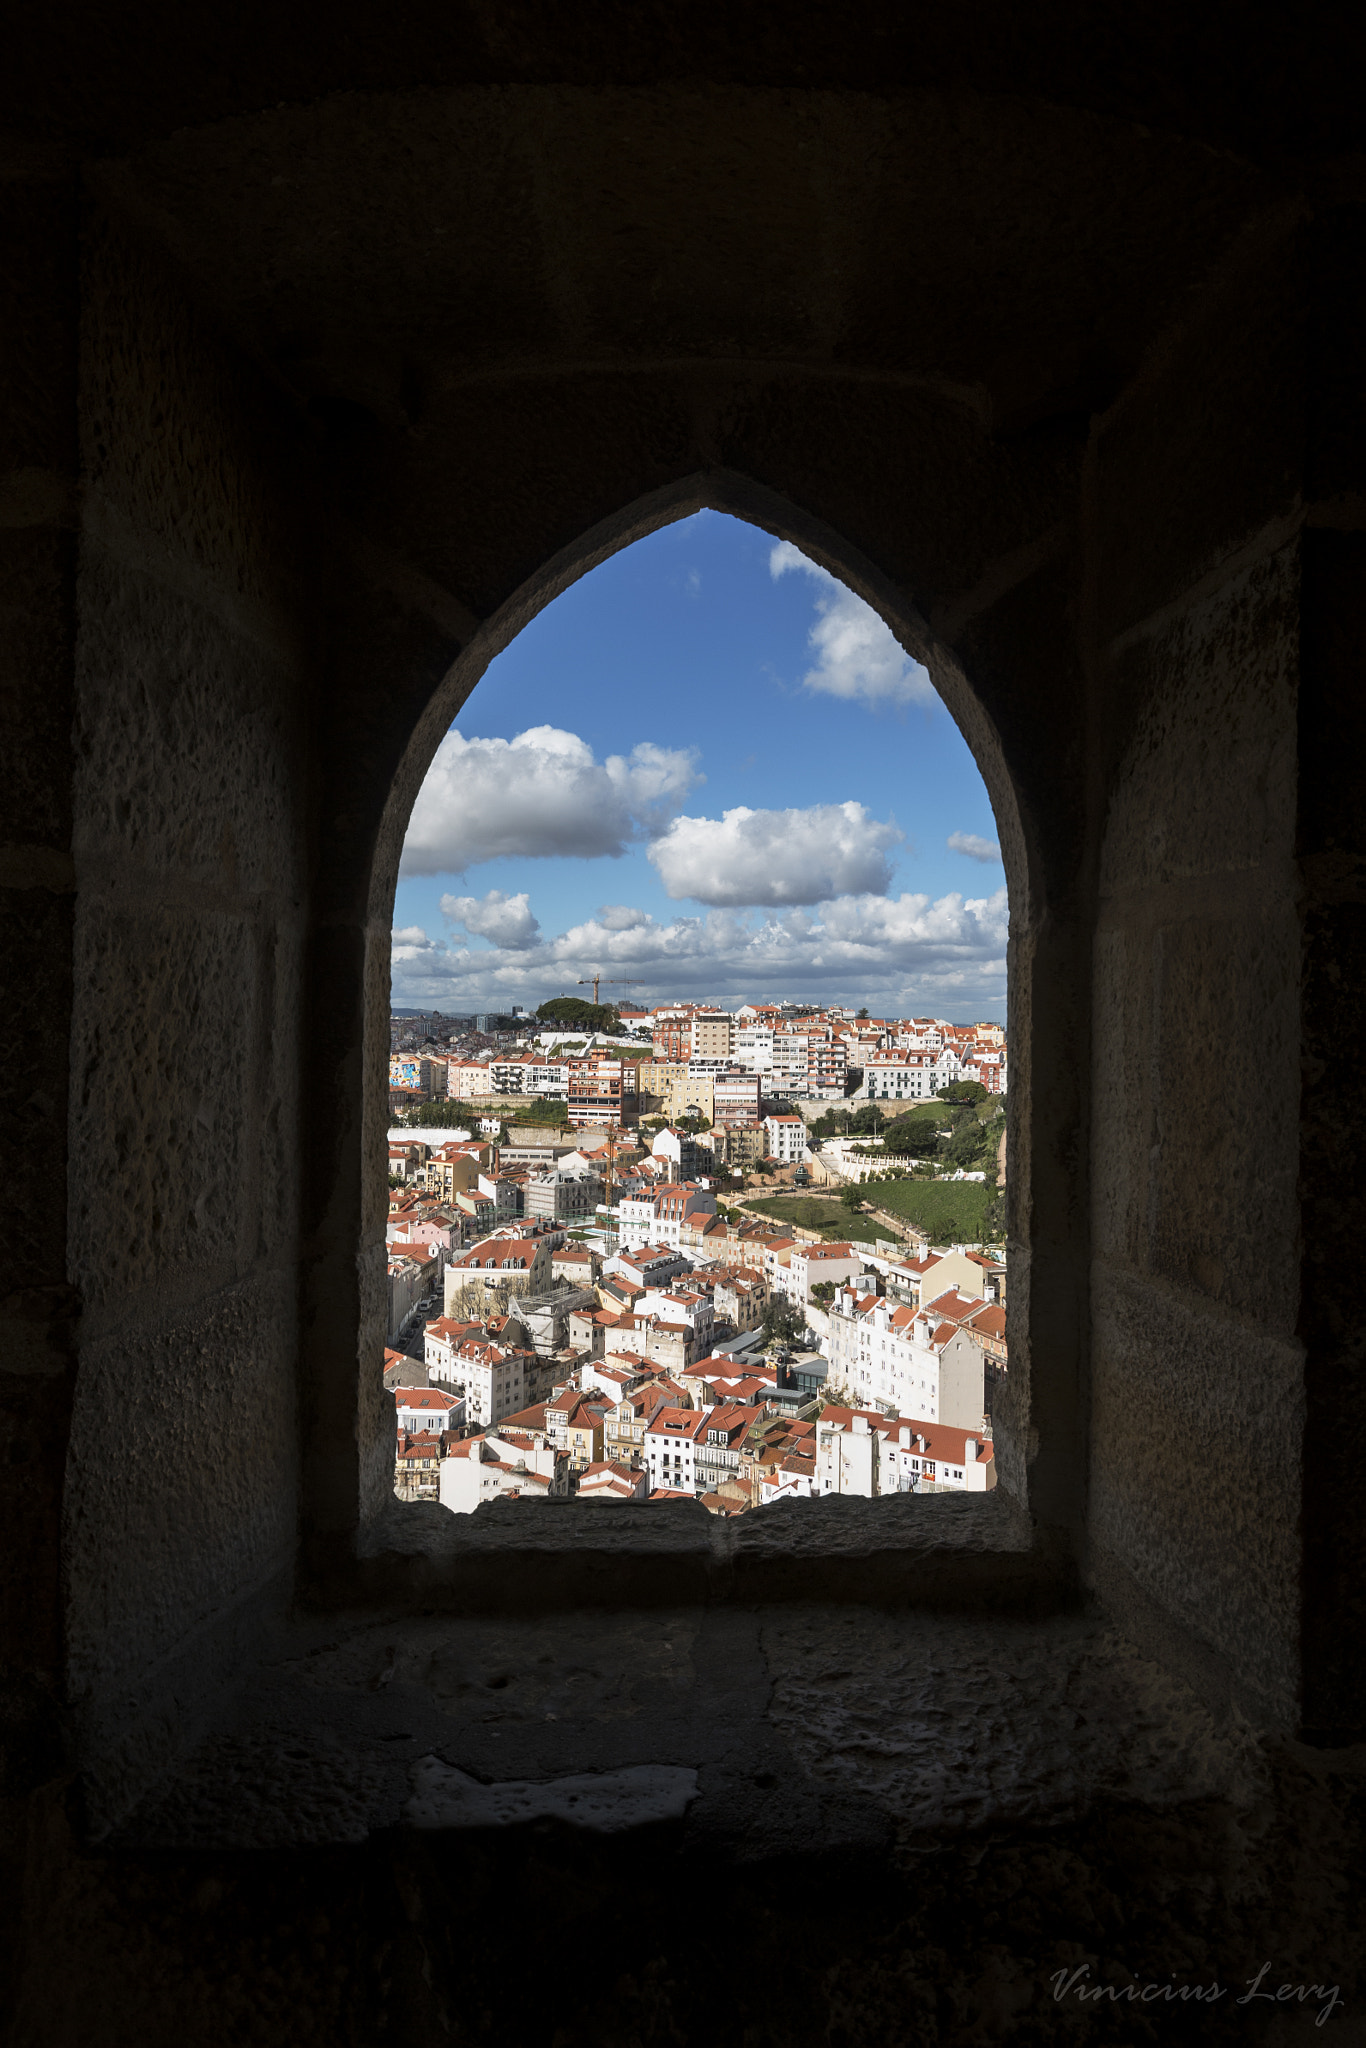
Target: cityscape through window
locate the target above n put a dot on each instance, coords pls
(698, 1061)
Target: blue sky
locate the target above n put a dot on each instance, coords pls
(707, 766)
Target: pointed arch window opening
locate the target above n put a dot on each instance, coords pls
(493, 791)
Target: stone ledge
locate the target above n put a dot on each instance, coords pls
(804, 1727)
(955, 1551)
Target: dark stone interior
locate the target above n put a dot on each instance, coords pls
(334, 343)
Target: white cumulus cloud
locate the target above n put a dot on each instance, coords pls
(540, 794)
(973, 845)
(776, 857)
(620, 917)
(900, 955)
(856, 654)
(505, 920)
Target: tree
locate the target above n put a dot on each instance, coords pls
(851, 1198)
(965, 1145)
(917, 1135)
(863, 1013)
(782, 1323)
(442, 1115)
(571, 1013)
(868, 1121)
(963, 1091)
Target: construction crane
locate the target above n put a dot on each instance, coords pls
(596, 978)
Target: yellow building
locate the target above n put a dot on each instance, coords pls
(689, 1095)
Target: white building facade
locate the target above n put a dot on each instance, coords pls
(785, 1138)
(906, 1361)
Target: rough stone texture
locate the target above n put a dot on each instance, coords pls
(1046, 335)
(1333, 1136)
(1219, 1425)
(1196, 1399)
(202, 1415)
(890, 1833)
(947, 1725)
(181, 1484)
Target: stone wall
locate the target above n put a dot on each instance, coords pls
(1197, 1404)
(194, 679)
(333, 350)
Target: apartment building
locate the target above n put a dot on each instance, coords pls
(409, 1279)
(564, 1197)
(785, 1138)
(602, 1091)
(717, 1448)
(738, 1144)
(416, 1071)
(677, 1088)
(899, 1076)
(861, 1452)
(498, 1379)
(908, 1361)
(454, 1168)
(815, 1265)
(735, 1097)
(789, 1062)
(740, 1298)
(671, 1442)
(625, 1422)
(671, 1034)
(417, 1465)
(508, 1074)
(684, 1155)
(984, 1063)
(658, 1216)
(753, 1047)
(713, 1035)
(613, 1482)
(647, 1265)
(691, 1306)
(427, 1410)
(467, 1080)
(498, 1267)
(518, 1465)
(674, 1207)
(574, 1423)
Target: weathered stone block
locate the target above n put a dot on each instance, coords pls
(1194, 1474)
(163, 1106)
(187, 741)
(1202, 736)
(182, 1482)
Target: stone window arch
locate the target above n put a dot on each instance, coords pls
(743, 498)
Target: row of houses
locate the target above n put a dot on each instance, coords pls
(630, 1432)
(722, 1065)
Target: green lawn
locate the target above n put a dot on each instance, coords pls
(946, 1211)
(830, 1218)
